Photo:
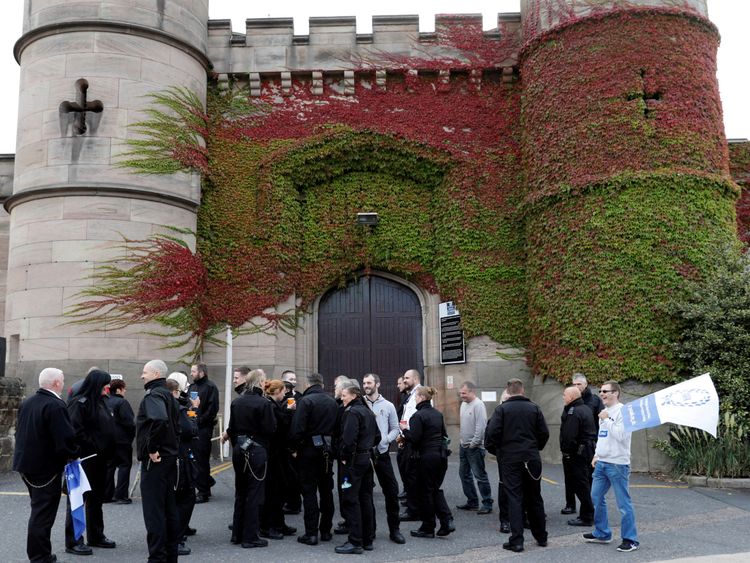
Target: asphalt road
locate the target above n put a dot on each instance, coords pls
(673, 522)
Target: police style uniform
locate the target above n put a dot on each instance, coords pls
(292, 491)
(577, 444)
(208, 393)
(311, 435)
(518, 431)
(272, 522)
(426, 434)
(185, 493)
(595, 404)
(45, 442)
(157, 430)
(251, 424)
(359, 435)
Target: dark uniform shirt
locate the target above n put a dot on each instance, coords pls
(208, 393)
(359, 431)
(517, 430)
(94, 426)
(45, 438)
(593, 402)
(251, 415)
(426, 430)
(124, 419)
(316, 416)
(158, 422)
(577, 430)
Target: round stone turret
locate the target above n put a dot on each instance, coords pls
(87, 69)
(629, 195)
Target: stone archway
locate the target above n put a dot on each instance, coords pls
(373, 325)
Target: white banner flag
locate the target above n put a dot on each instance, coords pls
(690, 403)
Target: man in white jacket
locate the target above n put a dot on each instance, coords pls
(612, 469)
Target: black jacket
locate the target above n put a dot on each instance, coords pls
(157, 426)
(45, 438)
(94, 426)
(124, 419)
(426, 431)
(251, 415)
(208, 393)
(577, 430)
(316, 415)
(517, 430)
(280, 438)
(359, 431)
(594, 402)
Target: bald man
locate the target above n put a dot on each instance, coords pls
(577, 444)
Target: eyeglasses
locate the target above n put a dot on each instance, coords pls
(607, 391)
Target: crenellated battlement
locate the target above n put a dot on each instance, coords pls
(269, 46)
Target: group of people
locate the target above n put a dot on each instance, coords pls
(285, 445)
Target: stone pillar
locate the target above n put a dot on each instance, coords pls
(71, 204)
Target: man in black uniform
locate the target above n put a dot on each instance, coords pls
(251, 424)
(157, 444)
(577, 444)
(208, 394)
(310, 436)
(518, 431)
(45, 442)
(593, 402)
(359, 435)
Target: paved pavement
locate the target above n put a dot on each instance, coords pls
(674, 523)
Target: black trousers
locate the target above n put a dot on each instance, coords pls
(408, 469)
(44, 503)
(577, 482)
(272, 513)
(96, 472)
(387, 481)
(202, 452)
(250, 470)
(356, 500)
(502, 497)
(158, 482)
(185, 502)
(119, 467)
(431, 470)
(292, 489)
(316, 478)
(522, 483)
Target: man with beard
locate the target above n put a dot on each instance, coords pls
(385, 415)
(406, 466)
(208, 394)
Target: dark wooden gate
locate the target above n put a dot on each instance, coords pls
(371, 326)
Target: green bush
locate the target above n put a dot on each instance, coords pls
(714, 324)
(695, 452)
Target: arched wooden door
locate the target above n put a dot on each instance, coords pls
(371, 326)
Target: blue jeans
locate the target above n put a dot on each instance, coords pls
(470, 467)
(608, 475)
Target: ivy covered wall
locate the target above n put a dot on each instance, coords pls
(629, 187)
(560, 210)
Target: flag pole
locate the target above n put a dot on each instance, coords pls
(228, 385)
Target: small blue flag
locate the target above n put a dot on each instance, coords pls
(78, 484)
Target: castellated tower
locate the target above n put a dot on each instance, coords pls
(629, 188)
(86, 70)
